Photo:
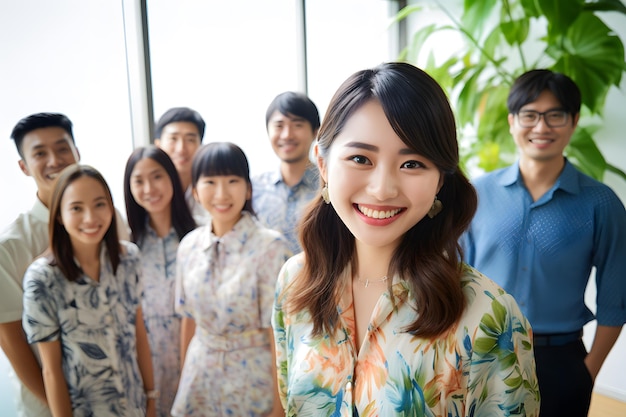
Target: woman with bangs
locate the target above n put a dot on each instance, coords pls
(225, 281)
(378, 316)
(159, 218)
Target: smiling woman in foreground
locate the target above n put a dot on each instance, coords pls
(378, 317)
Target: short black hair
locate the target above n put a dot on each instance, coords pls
(222, 158)
(39, 121)
(180, 114)
(528, 86)
(297, 104)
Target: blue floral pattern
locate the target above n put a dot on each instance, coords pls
(162, 323)
(95, 323)
(226, 285)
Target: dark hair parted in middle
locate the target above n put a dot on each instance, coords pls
(428, 257)
(222, 158)
(182, 220)
(60, 242)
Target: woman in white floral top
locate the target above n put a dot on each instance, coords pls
(378, 317)
(159, 218)
(82, 306)
(225, 281)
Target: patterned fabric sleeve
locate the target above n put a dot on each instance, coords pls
(277, 254)
(135, 274)
(502, 368)
(179, 289)
(278, 324)
(40, 319)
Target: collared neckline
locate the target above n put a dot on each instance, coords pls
(567, 180)
(233, 237)
(309, 178)
(40, 211)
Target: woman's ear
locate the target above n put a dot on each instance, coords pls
(194, 193)
(321, 163)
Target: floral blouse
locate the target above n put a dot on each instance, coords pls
(162, 323)
(227, 285)
(484, 366)
(95, 323)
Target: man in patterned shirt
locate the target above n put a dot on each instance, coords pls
(279, 196)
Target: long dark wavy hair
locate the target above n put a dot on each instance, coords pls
(428, 257)
(137, 216)
(62, 252)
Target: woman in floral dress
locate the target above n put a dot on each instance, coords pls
(82, 307)
(158, 218)
(378, 317)
(225, 281)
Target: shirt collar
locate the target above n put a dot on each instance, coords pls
(567, 180)
(40, 211)
(309, 178)
(511, 175)
(233, 239)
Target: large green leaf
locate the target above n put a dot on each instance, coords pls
(530, 8)
(560, 14)
(593, 58)
(583, 152)
(515, 31)
(468, 98)
(476, 13)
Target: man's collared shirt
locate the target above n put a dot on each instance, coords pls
(542, 252)
(279, 206)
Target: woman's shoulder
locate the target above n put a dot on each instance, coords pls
(40, 269)
(485, 297)
(129, 249)
(291, 268)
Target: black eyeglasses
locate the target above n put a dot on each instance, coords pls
(553, 118)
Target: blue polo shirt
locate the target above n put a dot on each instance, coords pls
(543, 251)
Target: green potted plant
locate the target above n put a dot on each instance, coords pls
(504, 38)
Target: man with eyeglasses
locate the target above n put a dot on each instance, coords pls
(540, 228)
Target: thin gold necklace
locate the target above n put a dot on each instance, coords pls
(366, 282)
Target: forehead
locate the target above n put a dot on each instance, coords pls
(46, 136)
(146, 166)
(544, 101)
(84, 188)
(181, 128)
(278, 117)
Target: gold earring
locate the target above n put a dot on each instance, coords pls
(325, 195)
(435, 208)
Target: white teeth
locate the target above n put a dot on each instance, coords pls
(53, 176)
(94, 230)
(540, 141)
(378, 214)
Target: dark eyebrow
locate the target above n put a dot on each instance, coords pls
(361, 145)
(372, 148)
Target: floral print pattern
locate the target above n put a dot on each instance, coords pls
(226, 284)
(483, 366)
(95, 323)
(162, 323)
